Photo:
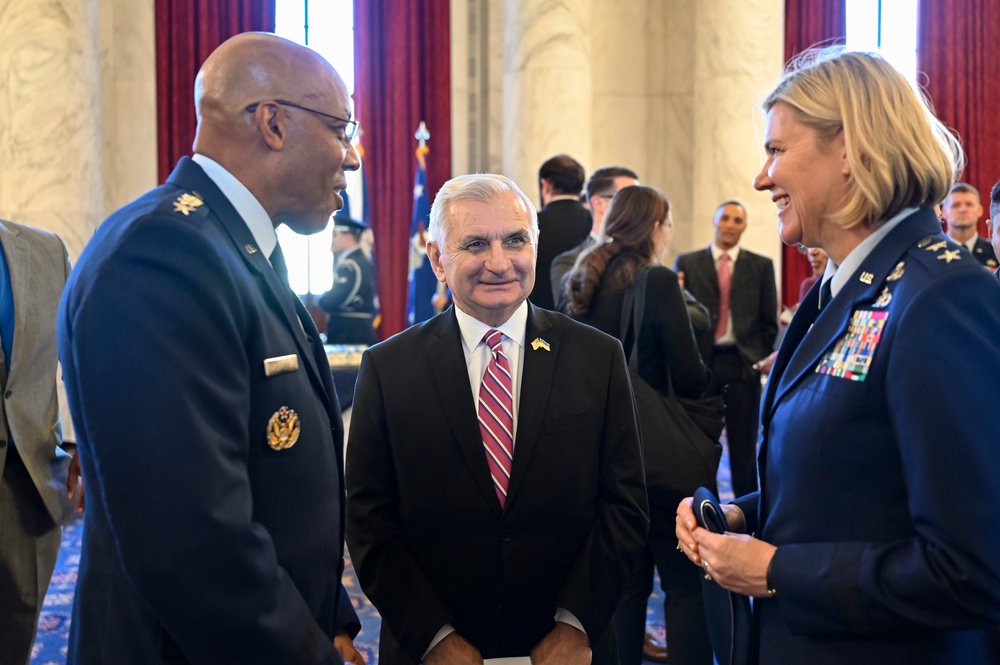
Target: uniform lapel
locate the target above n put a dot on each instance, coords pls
(861, 289)
(281, 299)
(446, 359)
(537, 374)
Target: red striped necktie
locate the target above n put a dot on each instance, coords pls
(496, 415)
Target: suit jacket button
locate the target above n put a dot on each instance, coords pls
(505, 536)
(8, 394)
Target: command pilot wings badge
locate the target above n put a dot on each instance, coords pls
(283, 429)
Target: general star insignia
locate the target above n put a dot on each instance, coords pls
(539, 343)
(949, 256)
(897, 272)
(941, 244)
(187, 203)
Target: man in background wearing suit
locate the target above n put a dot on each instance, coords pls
(602, 186)
(738, 288)
(961, 211)
(500, 514)
(39, 479)
(204, 407)
(994, 223)
(563, 222)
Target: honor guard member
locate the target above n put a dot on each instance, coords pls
(352, 300)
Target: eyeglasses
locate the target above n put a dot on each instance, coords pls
(347, 133)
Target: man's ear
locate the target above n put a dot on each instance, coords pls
(271, 125)
(434, 254)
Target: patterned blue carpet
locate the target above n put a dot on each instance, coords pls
(53, 625)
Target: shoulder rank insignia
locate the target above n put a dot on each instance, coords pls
(949, 255)
(187, 203)
(283, 429)
(897, 272)
(925, 241)
(883, 299)
(937, 247)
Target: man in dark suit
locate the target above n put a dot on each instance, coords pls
(563, 222)
(38, 479)
(961, 211)
(209, 429)
(351, 302)
(601, 187)
(514, 535)
(745, 318)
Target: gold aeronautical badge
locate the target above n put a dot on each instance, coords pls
(283, 429)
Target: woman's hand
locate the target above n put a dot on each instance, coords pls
(738, 562)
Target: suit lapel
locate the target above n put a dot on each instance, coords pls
(282, 301)
(830, 325)
(20, 270)
(451, 376)
(537, 373)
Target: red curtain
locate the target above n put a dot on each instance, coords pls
(186, 32)
(402, 76)
(959, 59)
(807, 23)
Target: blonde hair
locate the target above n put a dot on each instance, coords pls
(900, 154)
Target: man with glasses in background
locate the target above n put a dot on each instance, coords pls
(210, 433)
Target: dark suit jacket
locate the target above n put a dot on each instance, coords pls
(562, 225)
(201, 543)
(753, 300)
(427, 535)
(562, 264)
(351, 302)
(983, 251)
(881, 494)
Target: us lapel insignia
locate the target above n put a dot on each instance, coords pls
(883, 299)
(187, 203)
(539, 343)
(283, 429)
(250, 248)
(897, 272)
(949, 255)
(867, 277)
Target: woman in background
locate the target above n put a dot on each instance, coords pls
(637, 232)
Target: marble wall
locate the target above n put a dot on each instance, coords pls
(78, 113)
(666, 87)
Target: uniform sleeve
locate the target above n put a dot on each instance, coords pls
(943, 367)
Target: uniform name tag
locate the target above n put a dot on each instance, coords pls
(852, 355)
(281, 364)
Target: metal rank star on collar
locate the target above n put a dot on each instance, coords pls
(187, 203)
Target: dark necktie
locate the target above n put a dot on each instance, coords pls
(825, 293)
(725, 285)
(279, 265)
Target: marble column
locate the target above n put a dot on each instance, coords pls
(73, 117)
(737, 60)
(547, 86)
(50, 116)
